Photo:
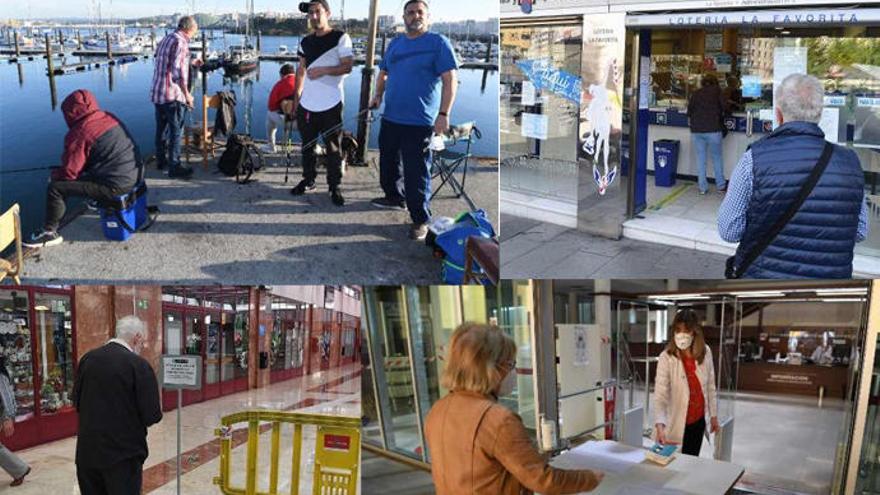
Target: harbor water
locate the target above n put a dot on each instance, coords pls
(32, 130)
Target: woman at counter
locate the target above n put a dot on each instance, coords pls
(477, 445)
(10, 462)
(684, 392)
(705, 115)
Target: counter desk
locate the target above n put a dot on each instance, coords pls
(806, 379)
(628, 472)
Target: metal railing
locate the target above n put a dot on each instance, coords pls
(337, 452)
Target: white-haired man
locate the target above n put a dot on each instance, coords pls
(170, 94)
(117, 397)
(819, 239)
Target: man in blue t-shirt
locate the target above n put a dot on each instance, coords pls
(417, 76)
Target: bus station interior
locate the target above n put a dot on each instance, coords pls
(544, 178)
(794, 424)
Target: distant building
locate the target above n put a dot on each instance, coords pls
(386, 21)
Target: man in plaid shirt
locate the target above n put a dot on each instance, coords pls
(170, 93)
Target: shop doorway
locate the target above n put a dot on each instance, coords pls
(212, 323)
(287, 349)
(786, 365)
(38, 346)
(667, 206)
(539, 127)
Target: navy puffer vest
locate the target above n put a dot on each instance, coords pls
(818, 241)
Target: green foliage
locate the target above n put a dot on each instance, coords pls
(828, 56)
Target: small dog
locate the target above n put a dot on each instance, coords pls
(348, 150)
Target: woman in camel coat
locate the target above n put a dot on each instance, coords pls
(478, 446)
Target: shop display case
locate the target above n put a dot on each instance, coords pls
(15, 348)
(673, 79)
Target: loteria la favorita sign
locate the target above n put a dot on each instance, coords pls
(547, 7)
(757, 18)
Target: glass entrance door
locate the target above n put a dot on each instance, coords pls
(644, 329)
(635, 359)
(794, 391)
(539, 128)
(212, 346)
(868, 462)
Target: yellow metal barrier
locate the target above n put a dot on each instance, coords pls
(337, 452)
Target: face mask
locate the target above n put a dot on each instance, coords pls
(507, 384)
(683, 340)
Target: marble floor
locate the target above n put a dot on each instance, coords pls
(333, 392)
(390, 477)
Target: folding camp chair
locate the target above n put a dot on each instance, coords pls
(446, 163)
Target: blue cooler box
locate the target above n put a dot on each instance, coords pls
(133, 213)
(665, 162)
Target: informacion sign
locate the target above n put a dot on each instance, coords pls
(182, 372)
(534, 126)
(790, 379)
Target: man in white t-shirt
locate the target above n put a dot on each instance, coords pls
(325, 57)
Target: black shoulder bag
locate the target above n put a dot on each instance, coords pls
(733, 271)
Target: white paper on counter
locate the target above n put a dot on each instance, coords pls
(605, 455)
(646, 490)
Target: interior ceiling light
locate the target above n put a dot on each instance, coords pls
(679, 297)
(750, 294)
(846, 291)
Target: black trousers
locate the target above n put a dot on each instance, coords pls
(693, 437)
(311, 125)
(123, 478)
(59, 191)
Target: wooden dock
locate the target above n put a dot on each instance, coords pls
(97, 64)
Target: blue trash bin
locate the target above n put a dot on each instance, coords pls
(665, 162)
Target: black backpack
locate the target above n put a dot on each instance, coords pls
(241, 158)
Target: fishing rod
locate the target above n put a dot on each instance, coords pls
(34, 169)
(288, 147)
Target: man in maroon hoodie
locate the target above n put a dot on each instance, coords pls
(100, 161)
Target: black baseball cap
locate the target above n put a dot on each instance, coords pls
(304, 6)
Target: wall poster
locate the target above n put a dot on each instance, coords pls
(602, 62)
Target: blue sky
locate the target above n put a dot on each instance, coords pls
(448, 10)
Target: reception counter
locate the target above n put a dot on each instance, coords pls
(671, 123)
(804, 379)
